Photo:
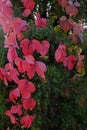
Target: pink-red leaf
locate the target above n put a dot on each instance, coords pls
(11, 116)
(27, 121)
(60, 53)
(27, 47)
(71, 10)
(19, 25)
(45, 45)
(29, 103)
(77, 4)
(13, 95)
(63, 3)
(11, 73)
(17, 109)
(36, 45)
(40, 22)
(66, 25)
(40, 68)
(12, 54)
(11, 40)
(26, 88)
(30, 59)
(30, 71)
(29, 6)
(69, 62)
(22, 65)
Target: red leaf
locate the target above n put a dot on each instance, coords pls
(19, 25)
(77, 4)
(45, 45)
(40, 68)
(60, 53)
(36, 45)
(27, 47)
(30, 59)
(11, 73)
(71, 10)
(26, 88)
(27, 121)
(8, 3)
(31, 71)
(66, 25)
(80, 63)
(63, 18)
(11, 116)
(40, 22)
(21, 64)
(14, 94)
(24, 44)
(69, 62)
(2, 73)
(29, 103)
(16, 109)
(5, 25)
(19, 36)
(76, 29)
(63, 3)
(29, 6)
(12, 54)
(3, 76)
(11, 40)
(26, 12)
(74, 38)
(5, 9)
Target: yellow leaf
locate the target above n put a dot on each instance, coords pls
(81, 71)
(57, 28)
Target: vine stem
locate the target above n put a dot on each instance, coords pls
(15, 126)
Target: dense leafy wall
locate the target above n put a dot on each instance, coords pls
(62, 96)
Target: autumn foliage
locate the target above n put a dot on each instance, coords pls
(23, 65)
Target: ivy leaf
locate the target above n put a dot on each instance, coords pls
(40, 22)
(27, 47)
(13, 95)
(22, 65)
(40, 68)
(12, 54)
(27, 121)
(18, 25)
(66, 24)
(69, 62)
(3, 76)
(30, 59)
(36, 45)
(45, 45)
(26, 88)
(16, 109)
(8, 3)
(30, 70)
(11, 73)
(29, 6)
(74, 38)
(80, 65)
(63, 3)
(77, 4)
(28, 103)
(71, 10)
(60, 53)
(11, 40)
(11, 116)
